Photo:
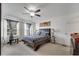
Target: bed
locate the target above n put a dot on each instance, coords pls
(37, 39)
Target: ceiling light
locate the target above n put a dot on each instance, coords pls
(32, 14)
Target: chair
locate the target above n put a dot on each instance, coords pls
(75, 43)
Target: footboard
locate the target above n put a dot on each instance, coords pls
(36, 45)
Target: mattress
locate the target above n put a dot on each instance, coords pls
(34, 38)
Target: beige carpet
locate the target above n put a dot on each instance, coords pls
(53, 49)
(46, 49)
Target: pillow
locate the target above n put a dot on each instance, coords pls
(38, 32)
(77, 40)
(43, 33)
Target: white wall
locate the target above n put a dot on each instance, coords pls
(58, 23)
(73, 25)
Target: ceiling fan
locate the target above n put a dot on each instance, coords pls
(31, 12)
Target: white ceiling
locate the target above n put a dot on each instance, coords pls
(48, 10)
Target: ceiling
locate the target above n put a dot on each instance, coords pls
(48, 10)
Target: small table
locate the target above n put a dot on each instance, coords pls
(15, 40)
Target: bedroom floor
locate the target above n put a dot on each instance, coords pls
(46, 49)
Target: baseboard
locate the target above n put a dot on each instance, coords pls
(61, 44)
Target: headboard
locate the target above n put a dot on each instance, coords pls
(48, 31)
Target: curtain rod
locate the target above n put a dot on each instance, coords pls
(12, 20)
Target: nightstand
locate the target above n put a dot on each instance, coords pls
(53, 39)
(15, 40)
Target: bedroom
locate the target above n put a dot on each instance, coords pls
(56, 17)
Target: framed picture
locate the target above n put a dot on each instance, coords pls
(43, 24)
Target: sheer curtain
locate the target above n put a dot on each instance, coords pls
(28, 28)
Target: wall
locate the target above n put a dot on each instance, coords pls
(73, 24)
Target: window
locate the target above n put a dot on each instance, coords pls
(11, 27)
(27, 29)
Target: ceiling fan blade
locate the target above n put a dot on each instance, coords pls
(26, 8)
(38, 15)
(37, 10)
